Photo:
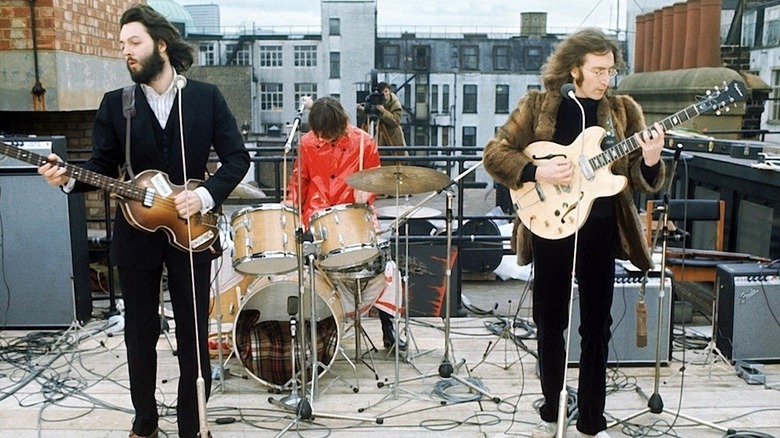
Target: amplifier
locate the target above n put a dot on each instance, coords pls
(38, 145)
(748, 312)
(622, 347)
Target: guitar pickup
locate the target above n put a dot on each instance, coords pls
(539, 191)
(148, 197)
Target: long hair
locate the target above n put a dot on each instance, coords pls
(570, 54)
(180, 53)
(327, 118)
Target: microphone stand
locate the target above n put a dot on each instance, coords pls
(298, 400)
(563, 397)
(200, 383)
(655, 403)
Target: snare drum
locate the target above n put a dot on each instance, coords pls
(347, 233)
(264, 239)
(262, 329)
(367, 279)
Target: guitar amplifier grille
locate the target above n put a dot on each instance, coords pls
(748, 312)
(622, 348)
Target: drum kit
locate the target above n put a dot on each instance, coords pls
(260, 296)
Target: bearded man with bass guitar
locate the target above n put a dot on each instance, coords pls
(587, 60)
(156, 55)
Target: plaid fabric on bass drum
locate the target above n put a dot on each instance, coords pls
(264, 347)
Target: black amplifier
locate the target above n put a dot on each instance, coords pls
(748, 312)
(744, 149)
(37, 145)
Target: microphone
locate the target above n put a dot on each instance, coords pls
(567, 90)
(641, 324)
(303, 104)
(180, 81)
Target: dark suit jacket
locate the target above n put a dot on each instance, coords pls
(207, 122)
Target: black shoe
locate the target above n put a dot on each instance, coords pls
(389, 342)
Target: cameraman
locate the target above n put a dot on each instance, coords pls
(387, 115)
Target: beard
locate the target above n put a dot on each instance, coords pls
(151, 67)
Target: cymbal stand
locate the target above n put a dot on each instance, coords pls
(655, 403)
(412, 350)
(446, 369)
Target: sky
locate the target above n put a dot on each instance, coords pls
(562, 15)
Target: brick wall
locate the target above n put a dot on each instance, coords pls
(89, 27)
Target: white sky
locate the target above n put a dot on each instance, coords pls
(562, 15)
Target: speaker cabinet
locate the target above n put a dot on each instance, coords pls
(623, 348)
(748, 312)
(427, 269)
(44, 272)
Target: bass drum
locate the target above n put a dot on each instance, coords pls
(262, 329)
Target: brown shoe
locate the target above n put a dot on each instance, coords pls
(151, 435)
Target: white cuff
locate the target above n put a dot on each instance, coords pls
(206, 201)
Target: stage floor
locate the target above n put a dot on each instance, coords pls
(79, 389)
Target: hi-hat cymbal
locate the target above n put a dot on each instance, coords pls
(403, 180)
(392, 211)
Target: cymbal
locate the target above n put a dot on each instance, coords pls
(392, 211)
(407, 180)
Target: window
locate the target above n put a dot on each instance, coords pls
(445, 98)
(270, 56)
(434, 98)
(334, 26)
(206, 54)
(305, 56)
(775, 113)
(532, 58)
(271, 97)
(469, 58)
(421, 95)
(749, 29)
(470, 139)
(421, 135)
(434, 136)
(772, 26)
(391, 56)
(502, 99)
(445, 136)
(469, 99)
(305, 89)
(501, 58)
(335, 65)
(422, 58)
(240, 57)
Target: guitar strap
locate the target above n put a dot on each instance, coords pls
(128, 110)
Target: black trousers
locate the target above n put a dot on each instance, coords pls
(141, 292)
(595, 281)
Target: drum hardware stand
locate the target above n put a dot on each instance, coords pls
(297, 400)
(412, 350)
(446, 369)
(361, 332)
(655, 403)
(164, 327)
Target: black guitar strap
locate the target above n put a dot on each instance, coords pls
(128, 110)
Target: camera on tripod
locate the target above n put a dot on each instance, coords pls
(375, 97)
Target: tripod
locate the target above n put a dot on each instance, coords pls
(506, 333)
(655, 403)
